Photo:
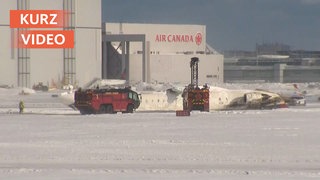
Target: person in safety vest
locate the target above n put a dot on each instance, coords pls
(21, 106)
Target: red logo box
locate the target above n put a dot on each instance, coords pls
(41, 38)
(45, 39)
(37, 18)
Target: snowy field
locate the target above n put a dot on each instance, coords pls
(52, 141)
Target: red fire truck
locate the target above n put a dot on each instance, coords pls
(194, 97)
(93, 101)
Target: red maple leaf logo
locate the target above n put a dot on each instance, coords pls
(198, 38)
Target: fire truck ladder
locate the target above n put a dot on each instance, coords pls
(194, 71)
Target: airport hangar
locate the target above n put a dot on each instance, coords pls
(26, 67)
(135, 52)
(158, 53)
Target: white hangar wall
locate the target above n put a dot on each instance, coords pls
(88, 40)
(48, 65)
(171, 48)
(8, 63)
(176, 68)
(163, 38)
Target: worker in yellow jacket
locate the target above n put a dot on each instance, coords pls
(21, 106)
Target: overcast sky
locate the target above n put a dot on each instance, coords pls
(231, 24)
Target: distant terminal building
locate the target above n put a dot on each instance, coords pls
(158, 53)
(272, 63)
(271, 48)
(26, 67)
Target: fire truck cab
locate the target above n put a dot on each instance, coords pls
(93, 101)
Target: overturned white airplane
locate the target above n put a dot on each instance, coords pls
(220, 99)
(159, 97)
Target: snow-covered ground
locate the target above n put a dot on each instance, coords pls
(52, 141)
